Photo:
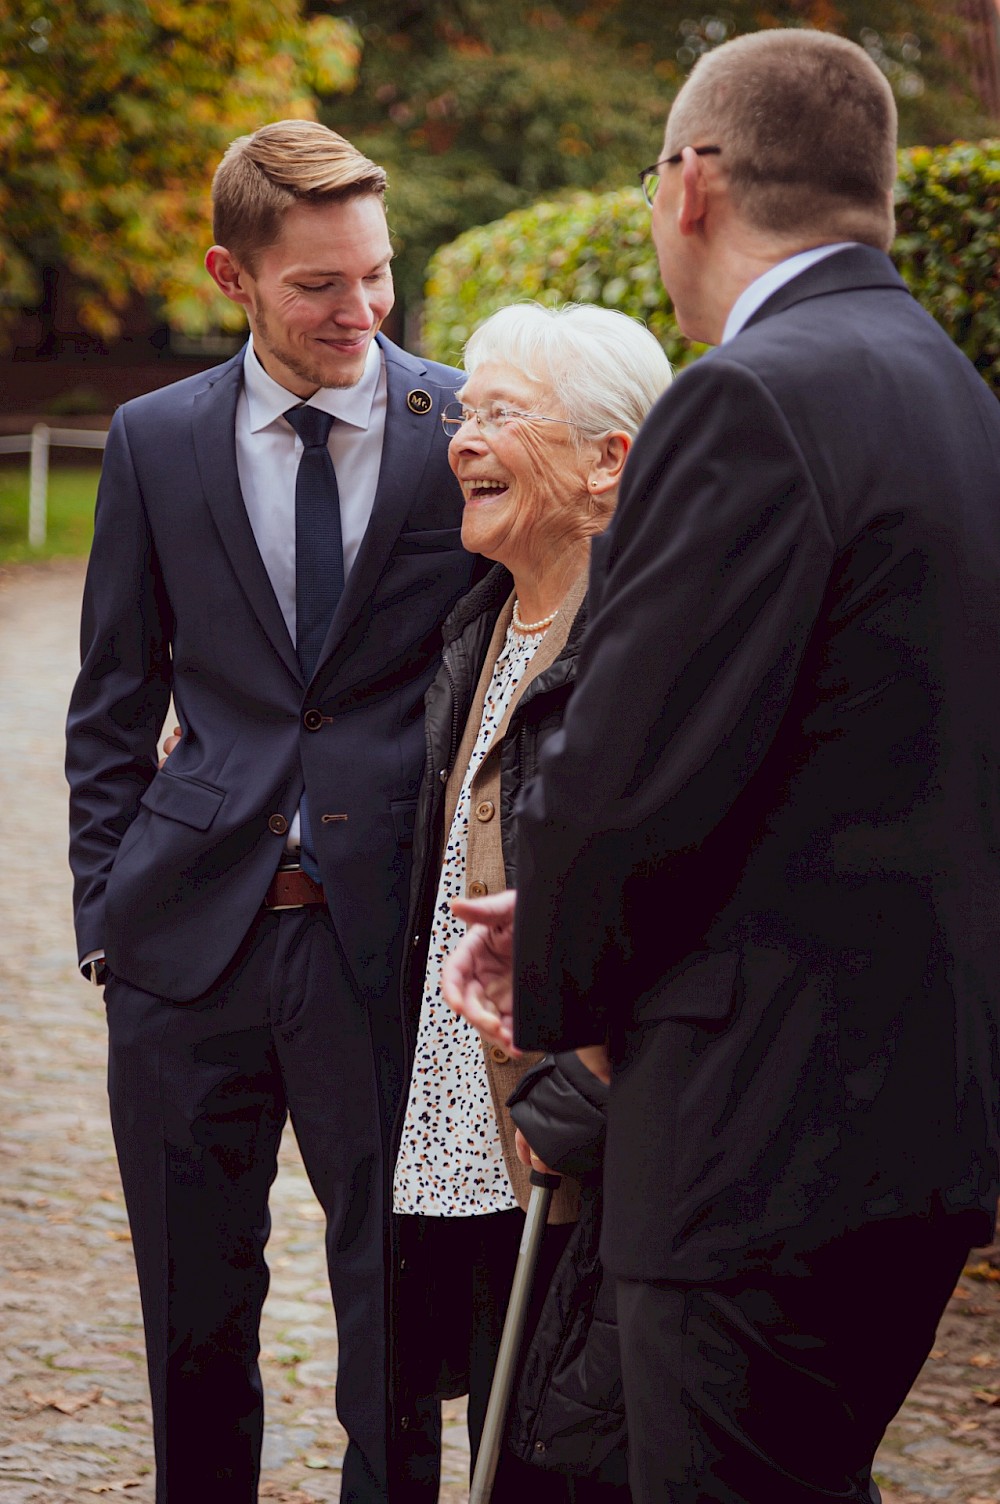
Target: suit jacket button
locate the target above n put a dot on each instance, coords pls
(478, 890)
(497, 1054)
(312, 720)
(485, 810)
(278, 824)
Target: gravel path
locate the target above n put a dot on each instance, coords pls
(74, 1415)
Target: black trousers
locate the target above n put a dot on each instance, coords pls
(779, 1389)
(452, 1300)
(199, 1096)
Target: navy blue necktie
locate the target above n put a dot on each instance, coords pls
(319, 548)
(319, 563)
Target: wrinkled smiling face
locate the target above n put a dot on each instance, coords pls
(320, 292)
(525, 484)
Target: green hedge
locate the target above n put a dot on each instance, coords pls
(596, 248)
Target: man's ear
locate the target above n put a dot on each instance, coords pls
(227, 275)
(694, 192)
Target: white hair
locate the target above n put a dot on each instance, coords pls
(605, 368)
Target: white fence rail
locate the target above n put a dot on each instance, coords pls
(37, 443)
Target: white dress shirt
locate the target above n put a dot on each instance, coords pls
(758, 292)
(267, 458)
(268, 451)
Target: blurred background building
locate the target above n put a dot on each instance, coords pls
(112, 114)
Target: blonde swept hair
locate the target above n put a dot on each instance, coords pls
(806, 122)
(289, 162)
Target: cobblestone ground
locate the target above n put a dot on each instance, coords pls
(74, 1412)
(74, 1416)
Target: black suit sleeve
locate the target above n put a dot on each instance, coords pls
(123, 691)
(704, 594)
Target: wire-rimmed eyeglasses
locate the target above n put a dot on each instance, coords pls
(649, 177)
(491, 419)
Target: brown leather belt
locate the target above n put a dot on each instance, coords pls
(291, 888)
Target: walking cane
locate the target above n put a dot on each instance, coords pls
(542, 1187)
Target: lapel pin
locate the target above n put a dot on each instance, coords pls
(419, 401)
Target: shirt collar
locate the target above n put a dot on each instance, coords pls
(757, 293)
(267, 401)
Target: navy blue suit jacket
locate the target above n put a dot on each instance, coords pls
(172, 865)
(763, 852)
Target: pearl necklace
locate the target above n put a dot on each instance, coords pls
(530, 628)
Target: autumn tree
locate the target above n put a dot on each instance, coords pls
(477, 108)
(112, 114)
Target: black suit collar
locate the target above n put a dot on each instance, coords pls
(214, 433)
(844, 271)
(408, 438)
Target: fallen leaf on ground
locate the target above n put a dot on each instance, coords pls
(116, 1488)
(938, 1352)
(982, 1360)
(964, 1427)
(986, 1396)
(66, 1404)
(982, 1271)
(959, 1294)
(317, 1462)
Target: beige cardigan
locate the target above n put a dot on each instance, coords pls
(484, 867)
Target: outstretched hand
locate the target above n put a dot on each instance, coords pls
(477, 978)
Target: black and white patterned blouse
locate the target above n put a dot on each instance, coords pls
(450, 1160)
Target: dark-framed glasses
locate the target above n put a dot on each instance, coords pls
(649, 177)
(492, 418)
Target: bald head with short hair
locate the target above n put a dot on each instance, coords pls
(807, 127)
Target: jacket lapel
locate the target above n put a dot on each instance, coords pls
(405, 447)
(844, 271)
(545, 654)
(214, 432)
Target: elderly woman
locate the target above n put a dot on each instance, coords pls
(546, 418)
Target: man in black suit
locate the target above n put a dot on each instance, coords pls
(761, 862)
(276, 543)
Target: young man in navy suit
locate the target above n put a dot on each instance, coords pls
(276, 543)
(760, 867)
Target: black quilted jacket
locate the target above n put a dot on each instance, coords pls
(568, 1414)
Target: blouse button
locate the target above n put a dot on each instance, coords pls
(486, 810)
(478, 890)
(498, 1055)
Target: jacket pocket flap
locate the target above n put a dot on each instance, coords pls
(184, 799)
(429, 540)
(404, 814)
(701, 990)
